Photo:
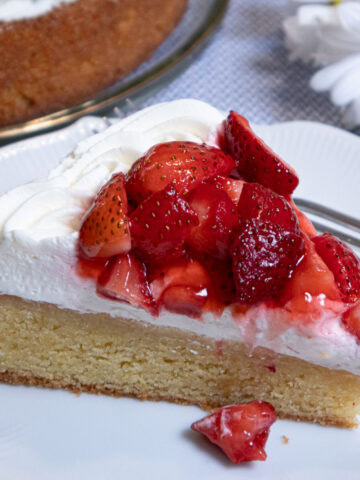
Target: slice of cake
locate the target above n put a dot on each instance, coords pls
(165, 259)
(58, 53)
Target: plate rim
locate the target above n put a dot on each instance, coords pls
(103, 124)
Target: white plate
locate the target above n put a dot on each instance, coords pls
(53, 435)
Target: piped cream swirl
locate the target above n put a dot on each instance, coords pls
(54, 206)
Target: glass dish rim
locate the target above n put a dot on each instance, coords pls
(176, 61)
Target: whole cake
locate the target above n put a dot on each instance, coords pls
(165, 259)
(57, 53)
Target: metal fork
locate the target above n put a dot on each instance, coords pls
(319, 213)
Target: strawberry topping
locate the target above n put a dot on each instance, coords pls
(160, 225)
(264, 256)
(105, 231)
(343, 263)
(182, 287)
(305, 223)
(241, 431)
(262, 203)
(352, 320)
(192, 229)
(124, 278)
(217, 217)
(185, 300)
(255, 160)
(182, 273)
(231, 186)
(311, 286)
(183, 164)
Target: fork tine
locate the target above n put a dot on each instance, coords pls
(106, 121)
(118, 113)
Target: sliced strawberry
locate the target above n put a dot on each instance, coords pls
(304, 222)
(185, 300)
(241, 431)
(264, 258)
(183, 164)
(260, 202)
(343, 263)
(104, 231)
(231, 186)
(217, 217)
(311, 286)
(255, 160)
(185, 272)
(181, 287)
(352, 320)
(160, 225)
(124, 279)
(222, 288)
(90, 267)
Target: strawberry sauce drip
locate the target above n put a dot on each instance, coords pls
(90, 268)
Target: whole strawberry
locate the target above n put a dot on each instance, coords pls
(105, 230)
(184, 165)
(264, 257)
(241, 431)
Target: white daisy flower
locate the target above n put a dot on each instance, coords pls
(328, 35)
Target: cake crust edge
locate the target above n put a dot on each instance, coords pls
(33, 381)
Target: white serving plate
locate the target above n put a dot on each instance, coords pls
(53, 435)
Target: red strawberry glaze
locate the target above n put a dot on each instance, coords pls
(352, 320)
(232, 186)
(90, 268)
(312, 289)
(305, 224)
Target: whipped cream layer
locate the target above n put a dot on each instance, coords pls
(11, 10)
(40, 221)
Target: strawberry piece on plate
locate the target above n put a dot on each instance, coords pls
(105, 231)
(264, 257)
(343, 263)
(160, 225)
(260, 202)
(217, 217)
(255, 160)
(124, 278)
(241, 431)
(231, 186)
(182, 164)
(182, 287)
